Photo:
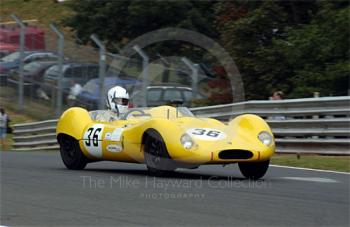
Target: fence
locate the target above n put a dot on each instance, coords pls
(39, 83)
(39, 94)
(313, 125)
(29, 82)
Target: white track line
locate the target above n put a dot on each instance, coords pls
(312, 179)
(318, 170)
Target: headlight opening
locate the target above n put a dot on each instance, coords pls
(187, 141)
(265, 138)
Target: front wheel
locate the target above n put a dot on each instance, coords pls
(157, 158)
(254, 170)
(72, 156)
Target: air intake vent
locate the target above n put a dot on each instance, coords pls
(235, 154)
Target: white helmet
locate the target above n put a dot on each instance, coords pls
(117, 100)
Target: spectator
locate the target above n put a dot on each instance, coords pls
(277, 95)
(3, 128)
(42, 94)
(73, 93)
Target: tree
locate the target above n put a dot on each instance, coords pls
(297, 47)
(318, 52)
(248, 35)
(120, 21)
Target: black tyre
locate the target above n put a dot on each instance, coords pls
(254, 170)
(72, 156)
(157, 158)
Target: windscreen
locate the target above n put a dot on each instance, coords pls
(10, 57)
(167, 112)
(31, 67)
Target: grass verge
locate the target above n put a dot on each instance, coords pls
(335, 163)
(33, 108)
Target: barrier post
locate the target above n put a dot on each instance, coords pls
(21, 60)
(145, 78)
(194, 68)
(102, 69)
(60, 49)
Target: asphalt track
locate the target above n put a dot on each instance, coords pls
(37, 190)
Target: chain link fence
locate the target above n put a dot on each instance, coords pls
(41, 70)
(52, 84)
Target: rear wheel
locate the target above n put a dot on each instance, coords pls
(157, 158)
(72, 156)
(254, 170)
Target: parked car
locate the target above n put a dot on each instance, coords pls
(12, 60)
(7, 48)
(164, 94)
(32, 75)
(72, 72)
(89, 97)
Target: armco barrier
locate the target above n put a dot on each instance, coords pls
(35, 136)
(290, 108)
(312, 125)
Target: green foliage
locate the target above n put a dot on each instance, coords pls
(319, 53)
(299, 47)
(250, 41)
(121, 21)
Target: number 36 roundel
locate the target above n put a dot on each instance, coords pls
(206, 134)
(93, 140)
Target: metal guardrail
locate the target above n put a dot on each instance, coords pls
(35, 136)
(293, 108)
(312, 125)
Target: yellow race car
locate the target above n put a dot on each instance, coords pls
(165, 138)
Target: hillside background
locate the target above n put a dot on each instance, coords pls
(299, 47)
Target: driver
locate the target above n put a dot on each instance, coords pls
(117, 102)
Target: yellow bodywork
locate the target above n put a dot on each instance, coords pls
(122, 140)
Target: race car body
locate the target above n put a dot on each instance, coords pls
(165, 138)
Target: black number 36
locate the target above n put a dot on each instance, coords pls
(202, 132)
(93, 136)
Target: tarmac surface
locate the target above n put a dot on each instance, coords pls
(36, 189)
